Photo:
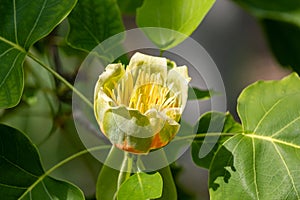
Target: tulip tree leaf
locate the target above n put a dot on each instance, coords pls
(23, 23)
(177, 15)
(91, 22)
(263, 161)
(211, 123)
(22, 175)
(141, 186)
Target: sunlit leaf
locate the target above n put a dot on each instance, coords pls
(23, 23)
(264, 160)
(177, 15)
(22, 175)
(91, 22)
(141, 186)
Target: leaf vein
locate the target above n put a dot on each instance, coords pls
(272, 140)
(35, 23)
(10, 70)
(16, 46)
(90, 32)
(41, 178)
(254, 169)
(46, 190)
(289, 124)
(15, 22)
(233, 150)
(266, 114)
(287, 169)
(17, 166)
(5, 52)
(12, 186)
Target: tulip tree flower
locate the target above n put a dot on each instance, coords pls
(138, 108)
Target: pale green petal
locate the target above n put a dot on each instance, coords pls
(183, 71)
(164, 126)
(128, 129)
(147, 69)
(166, 134)
(132, 122)
(111, 76)
(157, 119)
(169, 130)
(102, 93)
(177, 81)
(101, 103)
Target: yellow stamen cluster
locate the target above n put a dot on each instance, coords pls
(151, 96)
(147, 93)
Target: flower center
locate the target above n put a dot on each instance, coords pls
(151, 96)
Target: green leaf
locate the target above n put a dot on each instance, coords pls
(177, 15)
(129, 6)
(22, 175)
(91, 22)
(38, 104)
(265, 157)
(211, 123)
(23, 23)
(284, 41)
(11, 75)
(199, 94)
(141, 186)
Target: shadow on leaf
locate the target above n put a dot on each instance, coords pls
(222, 162)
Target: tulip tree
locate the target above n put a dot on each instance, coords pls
(138, 102)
